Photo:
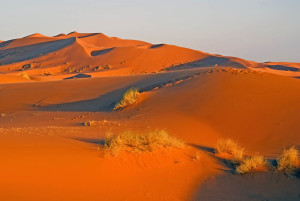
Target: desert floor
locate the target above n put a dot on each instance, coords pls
(48, 152)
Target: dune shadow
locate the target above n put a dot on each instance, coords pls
(203, 148)
(80, 75)
(262, 186)
(96, 141)
(156, 46)
(93, 34)
(210, 61)
(282, 67)
(104, 103)
(101, 52)
(107, 101)
(5, 43)
(229, 168)
(23, 53)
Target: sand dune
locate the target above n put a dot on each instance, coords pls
(52, 86)
(234, 97)
(96, 52)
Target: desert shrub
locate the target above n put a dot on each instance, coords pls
(251, 164)
(90, 123)
(237, 155)
(107, 66)
(230, 147)
(289, 160)
(128, 98)
(140, 142)
(25, 75)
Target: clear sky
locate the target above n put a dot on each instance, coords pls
(259, 30)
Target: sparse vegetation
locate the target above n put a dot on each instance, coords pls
(140, 142)
(90, 123)
(250, 164)
(197, 156)
(229, 146)
(128, 98)
(107, 66)
(26, 67)
(289, 160)
(25, 75)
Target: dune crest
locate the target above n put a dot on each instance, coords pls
(92, 52)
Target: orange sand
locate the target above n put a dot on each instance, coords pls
(47, 153)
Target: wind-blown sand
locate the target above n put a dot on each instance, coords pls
(47, 153)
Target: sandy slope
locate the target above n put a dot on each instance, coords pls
(96, 52)
(47, 153)
(52, 168)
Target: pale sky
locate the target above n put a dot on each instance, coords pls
(259, 30)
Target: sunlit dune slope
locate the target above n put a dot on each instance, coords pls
(43, 139)
(98, 53)
(249, 106)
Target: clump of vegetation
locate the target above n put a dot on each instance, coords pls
(90, 123)
(231, 147)
(140, 142)
(47, 74)
(107, 66)
(25, 75)
(128, 98)
(250, 164)
(289, 160)
(26, 67)
(69, 70)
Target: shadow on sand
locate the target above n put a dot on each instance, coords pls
(106, 102)
(260, 186)
(95, 141)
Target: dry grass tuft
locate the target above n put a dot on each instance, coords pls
(24, 75)
(140, 142)
(128, 98)
(90, 123)
(289, 160)
(251, 164)
(230, 147)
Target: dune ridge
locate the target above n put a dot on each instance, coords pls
(93, 52)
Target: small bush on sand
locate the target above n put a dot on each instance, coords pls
(250, 164)
(128, 98)
(140, 142)
(289, 160)
(90, 123)
(25, 75)
(229, 146)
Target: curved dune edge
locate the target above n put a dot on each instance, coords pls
(111, 56)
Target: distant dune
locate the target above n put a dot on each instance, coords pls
(95, 52)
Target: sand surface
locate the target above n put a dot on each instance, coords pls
(48, 154)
